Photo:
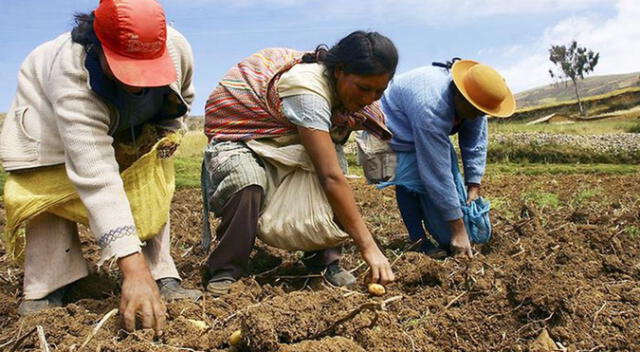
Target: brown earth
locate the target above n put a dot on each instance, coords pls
(572, 268)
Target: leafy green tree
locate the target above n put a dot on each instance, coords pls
(574, 62)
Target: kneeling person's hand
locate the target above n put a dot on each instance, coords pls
(140, 296)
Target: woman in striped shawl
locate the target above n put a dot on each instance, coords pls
(280, 93)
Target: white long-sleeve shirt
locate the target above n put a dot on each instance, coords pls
(56, 118)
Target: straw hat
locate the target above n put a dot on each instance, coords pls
(484, 88)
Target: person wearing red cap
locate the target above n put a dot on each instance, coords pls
(119, 68)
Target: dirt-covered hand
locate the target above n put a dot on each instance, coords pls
(380, 269)
(460, 244)
(140, 296)
(473, 192)
(166, 149)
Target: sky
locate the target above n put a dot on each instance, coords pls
(511, 36)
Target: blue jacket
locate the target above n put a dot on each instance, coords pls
(419, 110)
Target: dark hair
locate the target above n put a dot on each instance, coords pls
(82, 32)
(361, 53)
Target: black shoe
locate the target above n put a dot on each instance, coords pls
(436, 253)
(432, 251)
(220, 285)
(33, 306)
(170, 289)
(337, 275)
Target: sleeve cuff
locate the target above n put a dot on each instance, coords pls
(473, 179)
(119, 243)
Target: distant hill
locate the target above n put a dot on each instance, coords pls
(590, 86)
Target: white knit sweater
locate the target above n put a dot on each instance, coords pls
(56, 118)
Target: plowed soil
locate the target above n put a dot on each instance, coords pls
(565, 257)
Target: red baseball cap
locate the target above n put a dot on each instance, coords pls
(133, 34)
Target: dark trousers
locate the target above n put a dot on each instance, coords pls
(236, 236)
(411, 212)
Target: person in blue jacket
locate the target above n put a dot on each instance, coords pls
(423, 107)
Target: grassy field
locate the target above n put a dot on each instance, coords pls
(582, 128)
(189, 156)
(192, 145)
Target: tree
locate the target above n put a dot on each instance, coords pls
(574, 63)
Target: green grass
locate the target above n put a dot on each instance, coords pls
(560, 169)
(192, 144)
(542, 200)
(503, 206)
(189, 158)
(354, 168)
(510, 151)
(187, 171)
(585, 128)
(632, 231)
(585, 195)
(3, 178)
(495, 169)
(634, 128)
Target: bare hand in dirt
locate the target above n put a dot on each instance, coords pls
(460, 244)
(140, 296)
(473, 192)
(380, 269)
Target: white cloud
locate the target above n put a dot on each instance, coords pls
(429, 12)
(438, 12)
(463, 10)
(529, 72)
(616, 38)
(614, 34)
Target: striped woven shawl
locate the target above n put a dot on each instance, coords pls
(245, 105)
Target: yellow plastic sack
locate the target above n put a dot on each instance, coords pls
(297, 214)
(149, 183)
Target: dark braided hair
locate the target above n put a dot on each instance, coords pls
(361, 53)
